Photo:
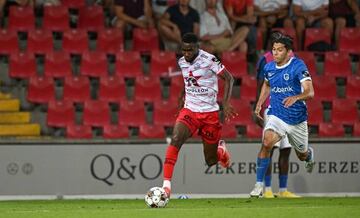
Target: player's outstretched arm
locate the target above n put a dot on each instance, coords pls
(264, 94)
(308, 93)
(229, 111)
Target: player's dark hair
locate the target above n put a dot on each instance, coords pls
(190, 38)
(286, 40)
(275, 35)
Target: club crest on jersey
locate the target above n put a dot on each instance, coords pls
(286, 76)
(191, 80)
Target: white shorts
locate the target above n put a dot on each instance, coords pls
(284, 142)
(297, 134)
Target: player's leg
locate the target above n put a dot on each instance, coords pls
(183, 129)
(285, 151)
(298, 137)
(268, 177)
(273, 132)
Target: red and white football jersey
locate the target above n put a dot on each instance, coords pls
(201, 82)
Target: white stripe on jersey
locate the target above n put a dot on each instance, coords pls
(201, 82)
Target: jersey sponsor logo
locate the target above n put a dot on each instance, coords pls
(191, 80)
(286, 76)
(282, 89)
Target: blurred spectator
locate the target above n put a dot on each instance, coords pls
(136, 13)
(345, 13)
(311, 13)
(47, 2)
(272, 13)
(216, 32)
(5, 4)
(176, 21)
(241, 16)
(159, 7)
(200, 6)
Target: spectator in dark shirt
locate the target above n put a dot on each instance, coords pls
(137, 13)
(176, 21)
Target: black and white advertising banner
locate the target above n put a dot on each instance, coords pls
(105, 169)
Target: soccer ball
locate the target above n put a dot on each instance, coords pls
(156, 197)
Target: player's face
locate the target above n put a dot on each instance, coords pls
(190, 51)
(280, 53)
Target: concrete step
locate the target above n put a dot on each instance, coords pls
(14, 117)
(9, 105)
(31, 129)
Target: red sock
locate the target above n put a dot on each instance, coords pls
(220, 153)
(170, 161)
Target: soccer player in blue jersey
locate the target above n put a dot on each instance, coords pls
(288, 82)
(284, 146)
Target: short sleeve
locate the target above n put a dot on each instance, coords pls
(302, 72)
(216, 66)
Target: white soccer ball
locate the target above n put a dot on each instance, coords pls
(156, 197)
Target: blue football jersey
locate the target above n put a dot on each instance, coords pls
(285, 81)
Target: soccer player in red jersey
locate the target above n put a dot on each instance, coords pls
(199, 109)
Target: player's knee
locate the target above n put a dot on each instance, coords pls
(176, 140)
(268, 144)
(211, 161)
(302, 156)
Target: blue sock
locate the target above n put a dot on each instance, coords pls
(308, 158)
(283, 181)
(261, 168)
(267, 180)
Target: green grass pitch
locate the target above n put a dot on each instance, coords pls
(230, 207)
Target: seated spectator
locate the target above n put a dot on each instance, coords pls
(5, 4)
(134, 13)
(216, 32)
(241, 16)
(159, 7)
(176, 21)
(200, 6)
(311, 13)
(345, 14)
(272, 13)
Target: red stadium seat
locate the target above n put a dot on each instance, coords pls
(57, 64)
(176, 87)
(356, 130)
(75, 41)
(337, 64)
(56, 18)
(325, 88)
(21, 18)
(253, 131)
(112, 89)
(40, 41)
(164, 113)
(259, 41)
(145, 40)
(235, 62)
(244, 110)
(147, 89)
(151, 132)
(315, 112)
(60, 113)
(22, 65)
(40, 90)
(96, 113)
(248, 88)
(290, 32)
(91, 18)
(110, 41)
(94, 64)
(309, 58)
(228, 131)
(162, 62)
(75, 4)
(331, 130)
(132, 113)
(112, 131)
(344, 111)
(8, 42)
(349, 40)
(353, 87)
(76, 88)
(128, 64)
(74, 131)
(313, 35)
